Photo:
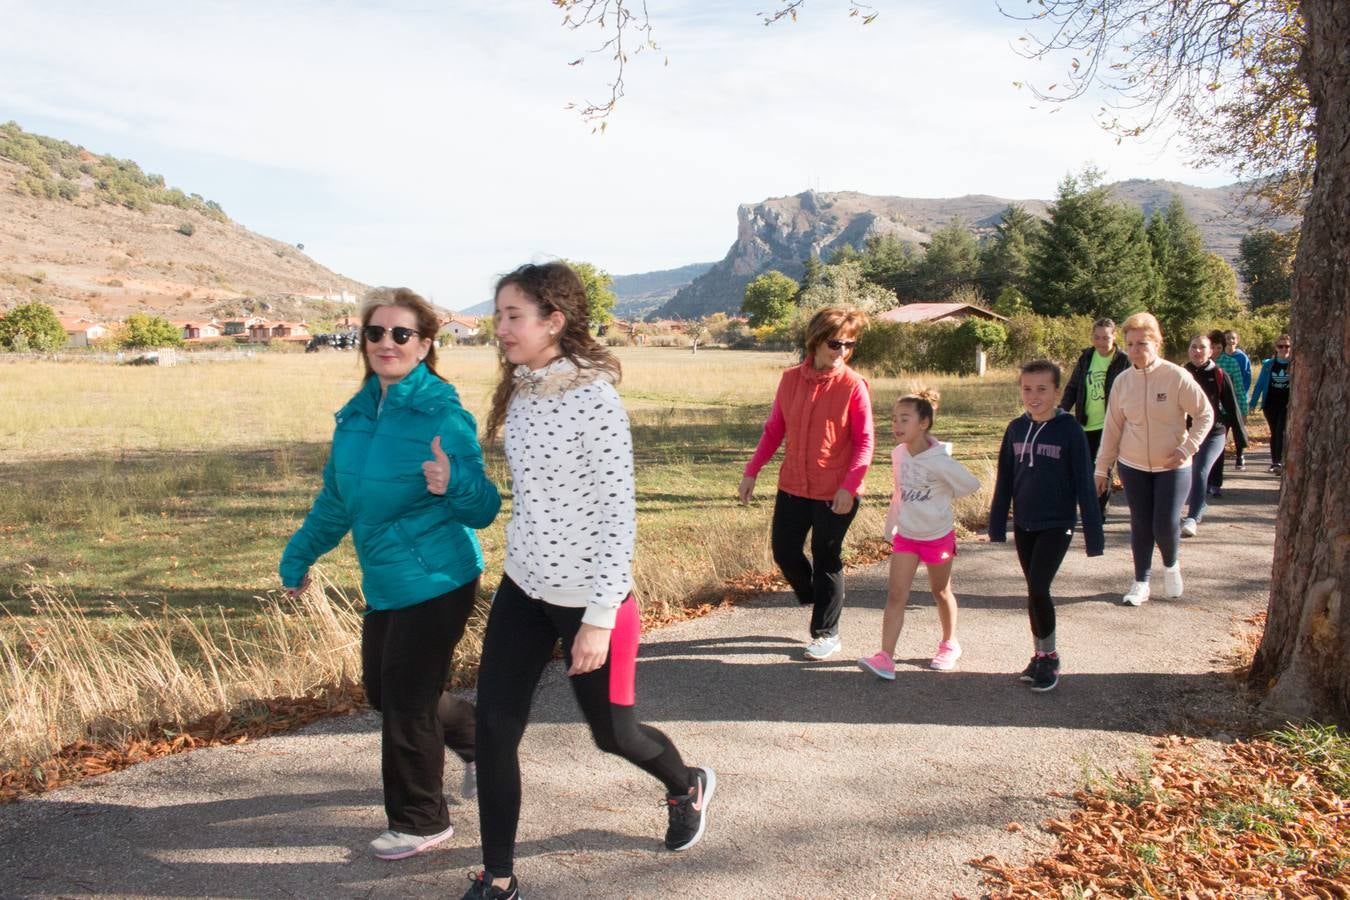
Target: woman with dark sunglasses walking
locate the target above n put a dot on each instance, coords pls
(824, 412)
(405, 477)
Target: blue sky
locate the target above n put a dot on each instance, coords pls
(427, 143)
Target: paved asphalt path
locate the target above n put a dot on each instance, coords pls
(831, 783)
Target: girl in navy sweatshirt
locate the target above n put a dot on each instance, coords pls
(1044, 472)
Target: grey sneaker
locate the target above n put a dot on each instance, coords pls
(1046, 676)
(397, 845)
(823, 647)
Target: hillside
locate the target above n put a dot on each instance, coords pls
(781, 232)
(95, 236)
(638, 295)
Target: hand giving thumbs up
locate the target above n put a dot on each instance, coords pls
(437, 469)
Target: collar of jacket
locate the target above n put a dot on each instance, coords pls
(1157, 361)
(555, 378)
(418, 390)
(811, 373)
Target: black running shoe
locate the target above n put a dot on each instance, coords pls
(1029, 673)
(1046, 675)
(689, 812)
(483, 889)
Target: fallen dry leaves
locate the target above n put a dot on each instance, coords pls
(1268, 819)
(87, 759)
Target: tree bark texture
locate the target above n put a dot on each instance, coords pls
(1303, 661)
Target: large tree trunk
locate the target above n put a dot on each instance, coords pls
(1303, 661)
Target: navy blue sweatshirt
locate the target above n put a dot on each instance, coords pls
(1044, 472)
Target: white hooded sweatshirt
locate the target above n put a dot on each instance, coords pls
(925, 487)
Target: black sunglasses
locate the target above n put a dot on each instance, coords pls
(836, 344)
(375, 333)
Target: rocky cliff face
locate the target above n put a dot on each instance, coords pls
(782, 232)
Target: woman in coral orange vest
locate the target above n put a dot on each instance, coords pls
(823, 410)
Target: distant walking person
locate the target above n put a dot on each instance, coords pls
(1146, 433)
(1089, 389)
(1232, 366)
(405, 477)
(823, 410)
(1045, 473)
(1271, 396)
(921, 528)
(569, 556)
(1223, 399)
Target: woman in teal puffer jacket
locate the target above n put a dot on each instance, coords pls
(406, 478)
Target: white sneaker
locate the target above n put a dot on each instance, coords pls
(1136, 595)
(1189, 527)
(469, 789)
(1172, 580)
(397, 845)
(822, 647)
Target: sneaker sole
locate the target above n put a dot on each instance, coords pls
(430, 842)
(819, 656)
(1041, 689)
(709, 788)
(880, 673)
(943, 667)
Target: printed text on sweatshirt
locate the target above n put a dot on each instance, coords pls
(926, 485)
(573, 515)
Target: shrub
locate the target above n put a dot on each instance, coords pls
(142, 330)
(32, 326)
(187, 229)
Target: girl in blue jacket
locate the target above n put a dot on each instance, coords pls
(1044, 472)
(405, 477)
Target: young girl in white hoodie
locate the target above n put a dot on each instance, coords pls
(920, 526)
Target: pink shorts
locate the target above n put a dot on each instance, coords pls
(930, 553)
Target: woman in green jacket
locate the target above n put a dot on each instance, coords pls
(405, 477)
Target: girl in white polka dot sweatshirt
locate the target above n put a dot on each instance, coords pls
(569, 565)
(574, 518)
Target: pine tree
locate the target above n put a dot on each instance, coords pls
(1093, 256)
(952, 261)
(1005, 261)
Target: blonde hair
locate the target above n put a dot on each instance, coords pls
(428, 323)
(925, 403)
(1145, 322)
(833, 320)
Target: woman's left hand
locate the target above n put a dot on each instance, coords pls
(589, 650)
(843, 502)
(437, 469)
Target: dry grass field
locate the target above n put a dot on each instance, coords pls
(146, 508)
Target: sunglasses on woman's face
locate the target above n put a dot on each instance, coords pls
(835, 344)
(375, 334)
(1281, 346)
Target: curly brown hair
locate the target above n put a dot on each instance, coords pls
(554, 287)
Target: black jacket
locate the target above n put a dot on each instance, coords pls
(1075, 392)
(1045, 474)
(1222, 394)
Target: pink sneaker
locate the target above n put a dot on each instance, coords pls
(880, 665)
(948, 653)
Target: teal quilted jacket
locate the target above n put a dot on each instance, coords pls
(413, 545)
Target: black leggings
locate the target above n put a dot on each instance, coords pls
(818, 582)
(1276, 417)
(1040, 553)
(1155, 500)
(405, 658)
(521, 635)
